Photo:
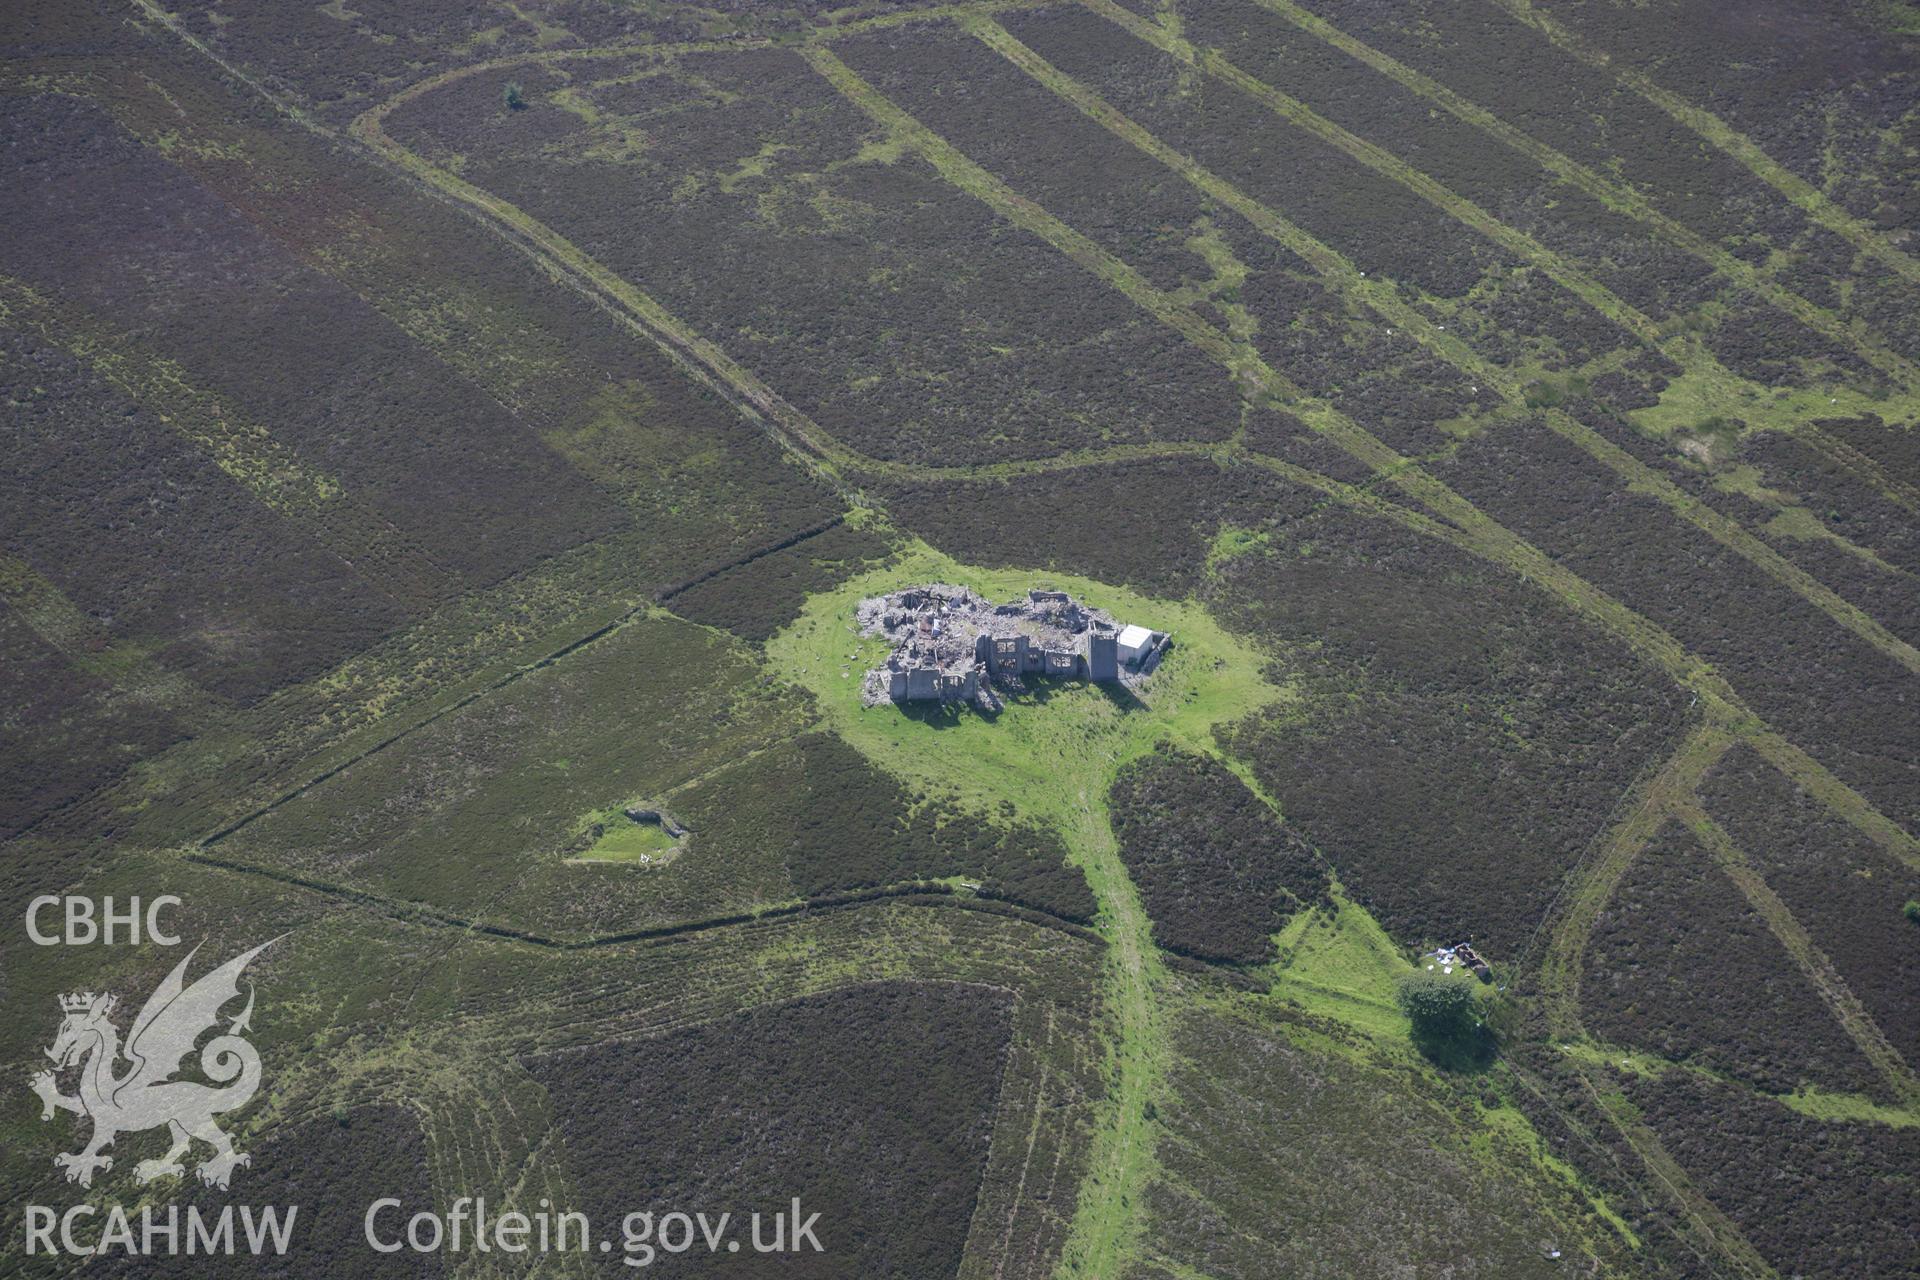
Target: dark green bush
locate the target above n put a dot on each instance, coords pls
(1438, 1004)
(1445, 1013)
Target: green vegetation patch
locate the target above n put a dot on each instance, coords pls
(1336, 961)
(1706, 395)
(1053, 752)
(618, 838)
(1234, 541)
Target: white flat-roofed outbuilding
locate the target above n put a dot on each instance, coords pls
(1134, 643)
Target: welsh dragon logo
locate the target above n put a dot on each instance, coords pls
(146, 1096)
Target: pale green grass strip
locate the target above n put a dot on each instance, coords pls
(78, 638)
(1615, 194)
(1385, 300)
(1724, 136)
(1593, 884)
(1291, 109)
(1819, 1104)
(1813, 962)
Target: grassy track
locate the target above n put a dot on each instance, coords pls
(1813, 962)
(1386, 301)
(1812, 201)
(1693, 357)
(1380, 295)
(79, 638)
(246, 451)
(1615, 194)
(1106, 1225)
(1715, 1230)
(1593, 885)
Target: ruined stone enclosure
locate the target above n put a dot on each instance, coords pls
(952, 646)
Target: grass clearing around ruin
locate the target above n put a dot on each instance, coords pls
(1056, 741)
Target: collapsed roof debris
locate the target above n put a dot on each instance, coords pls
(1461, 955)
(952, 646)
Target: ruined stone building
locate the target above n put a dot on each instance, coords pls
(950, 646)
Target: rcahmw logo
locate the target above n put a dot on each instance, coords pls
(145, 1095)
